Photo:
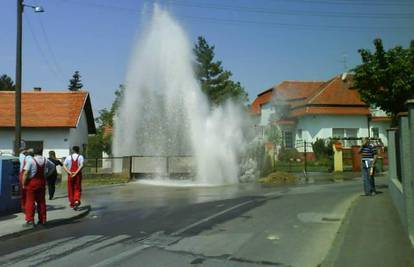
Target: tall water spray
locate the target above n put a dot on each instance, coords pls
(164, 112)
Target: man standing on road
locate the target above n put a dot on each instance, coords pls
(34, 182)
(368, 158)
(73, 166)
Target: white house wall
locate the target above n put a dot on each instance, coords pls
(320, 126)
(79, 136)
(266, 111)
(382, 127)
(56, 139)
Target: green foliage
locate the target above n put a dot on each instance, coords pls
(75, 83)
(322, 148)
(286, 154)
(386, 78)
(102, 141)
(267, 167)
(6, 83)
(215, 82)
(274, 135)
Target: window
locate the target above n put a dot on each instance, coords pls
(299, 133)
(375, 132)
(288, 139)
(346, 133)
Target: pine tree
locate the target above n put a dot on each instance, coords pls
(6, 83)
(215, 82)
(75, 83)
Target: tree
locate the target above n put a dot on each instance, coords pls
(75, 83)
(386, 78)
(6, 83)
(215, 82)
(273, 135)
(102, 141)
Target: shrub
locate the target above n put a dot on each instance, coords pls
(285, 154)
(267, 167)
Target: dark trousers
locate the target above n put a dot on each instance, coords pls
(51, 186)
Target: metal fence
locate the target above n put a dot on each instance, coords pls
(141, 165)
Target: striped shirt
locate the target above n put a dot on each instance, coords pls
(368, 152)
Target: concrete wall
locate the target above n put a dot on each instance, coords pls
(402, 186)
(56, 139)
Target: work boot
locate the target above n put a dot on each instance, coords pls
(29, 224)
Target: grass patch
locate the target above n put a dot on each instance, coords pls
(278, 178)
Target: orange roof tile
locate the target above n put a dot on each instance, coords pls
(323, 110)
(316, 97)
(291, 90)
(47, 109)
(261, 99)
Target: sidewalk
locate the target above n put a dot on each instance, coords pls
(371, 235)
(58, 212)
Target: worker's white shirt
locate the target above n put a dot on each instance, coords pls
(76, 157)
(31, 166)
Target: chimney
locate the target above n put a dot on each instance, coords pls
(37, 89)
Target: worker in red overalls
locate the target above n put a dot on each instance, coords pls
(73, 166)
(25, 154)
(34, 182)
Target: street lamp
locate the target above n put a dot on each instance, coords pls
(18, 80)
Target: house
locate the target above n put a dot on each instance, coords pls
(53, 120)
(308, 110)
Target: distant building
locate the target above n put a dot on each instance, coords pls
(307, 110)
(53, 120)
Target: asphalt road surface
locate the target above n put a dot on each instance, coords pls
(238, 225)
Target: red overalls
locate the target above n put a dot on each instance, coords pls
(22, 190)
(35, 193)
(74, 183)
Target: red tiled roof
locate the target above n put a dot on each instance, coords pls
(381, 118)
(291, 90)
(336, 92)
(323, 110)
(47, 109)
(261, 99)
(316, 97)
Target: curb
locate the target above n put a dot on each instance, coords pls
(49, 224)
(340, 236)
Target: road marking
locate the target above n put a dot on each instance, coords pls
(210, 218)
(113, 260)
(56, 251)
(105, 243)
(28, 252)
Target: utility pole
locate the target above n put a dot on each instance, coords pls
(18, 80)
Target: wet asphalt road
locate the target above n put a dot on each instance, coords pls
(143, 225)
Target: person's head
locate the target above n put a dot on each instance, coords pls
(52, 154)
(30, 152)
(75, 149)
(365, 141)
(38, 151)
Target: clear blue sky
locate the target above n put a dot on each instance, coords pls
(261, 41)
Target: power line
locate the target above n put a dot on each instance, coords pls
(252, 22)
(56, 74)
(295, 12)
(354, 3)
(51, 52)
